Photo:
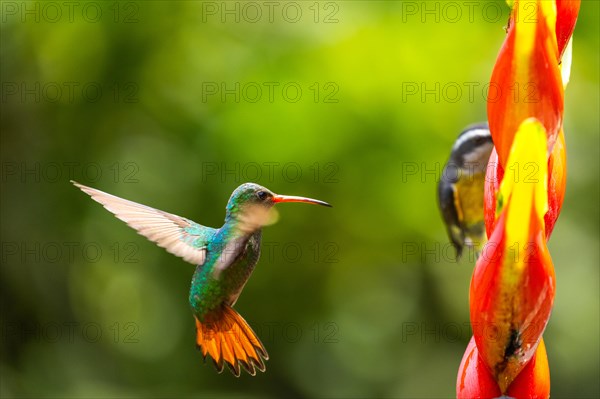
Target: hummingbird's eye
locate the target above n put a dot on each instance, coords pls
(262, 195)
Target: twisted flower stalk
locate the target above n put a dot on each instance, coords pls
(513, 284)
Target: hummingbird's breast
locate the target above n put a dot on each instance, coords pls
(230, 262)
(239, 271)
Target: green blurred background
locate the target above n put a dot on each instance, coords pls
(362, 300)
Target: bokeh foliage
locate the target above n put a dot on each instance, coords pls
(356, 312)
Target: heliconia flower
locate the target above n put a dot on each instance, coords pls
(557, 179)
(475, 380)
(513, 283)
(526, 79)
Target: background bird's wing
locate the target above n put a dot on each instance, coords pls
(178, 235)
(448, 204)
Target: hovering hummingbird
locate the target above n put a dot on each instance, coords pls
(460, 190)
(225, 259)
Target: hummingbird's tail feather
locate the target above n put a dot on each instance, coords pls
(229, 340)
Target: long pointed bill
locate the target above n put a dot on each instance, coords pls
(293, 198)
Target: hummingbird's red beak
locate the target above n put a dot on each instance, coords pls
(293, 198)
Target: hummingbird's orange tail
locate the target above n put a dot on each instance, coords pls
(228, 339)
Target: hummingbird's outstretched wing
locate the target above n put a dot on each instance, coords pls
(178, 235)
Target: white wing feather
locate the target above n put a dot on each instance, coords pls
(174, 233)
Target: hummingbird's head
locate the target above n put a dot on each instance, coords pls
(251, 204)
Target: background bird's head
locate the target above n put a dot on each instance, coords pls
(472, 148)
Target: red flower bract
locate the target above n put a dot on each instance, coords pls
(474, 379)
(566, 16)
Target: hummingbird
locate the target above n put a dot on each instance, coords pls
(461, 187)
(224, 259)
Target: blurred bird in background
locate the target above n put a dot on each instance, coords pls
(460, 189)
